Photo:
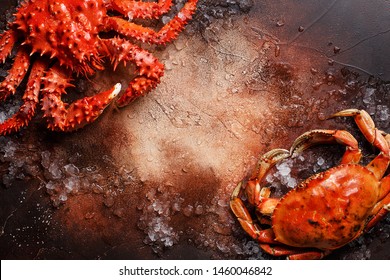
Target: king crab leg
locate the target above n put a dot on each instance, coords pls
(61, 117)
(169, 32)
(138, 9)
(149, 68)
(15, 74)
(30, 99)
(7, 42)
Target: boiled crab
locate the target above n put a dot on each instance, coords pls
(327, 210)
(60, 38)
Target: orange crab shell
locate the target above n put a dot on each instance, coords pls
(327, 210)
(67, 31)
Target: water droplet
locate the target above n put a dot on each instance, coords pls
(280, 23)
(199, 210)
(109, 201)
(89, 215)
(187, 211)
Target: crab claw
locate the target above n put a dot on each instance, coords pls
(268, 160)
(323, 136)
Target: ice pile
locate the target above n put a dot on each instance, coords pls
(61, 179)
(360, 250)
(7, 111)
(374, 101)
(168, 218)
(219, 231)
(155, 218)
(210, 10)
(57, 172)
(20, 161)
(290, 172)
(282, 176)
(64, 178)
(222, 237)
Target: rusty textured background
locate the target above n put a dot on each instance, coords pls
(153, 180)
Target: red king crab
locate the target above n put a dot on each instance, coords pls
(327, 210)
(73, 37)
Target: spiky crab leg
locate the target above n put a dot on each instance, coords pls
(169, 32)
(30, 101)
(61, 117)
(7, 42)
(149, 68)
(139, 9)
(15, 75)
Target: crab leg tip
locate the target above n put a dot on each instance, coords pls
(345, 113)
(236, 191)
(117, 89)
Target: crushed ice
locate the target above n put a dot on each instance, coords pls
(58, 174)
(156, 217)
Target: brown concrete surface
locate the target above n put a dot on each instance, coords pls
(153, 180)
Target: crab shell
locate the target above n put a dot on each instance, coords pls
(327, 210)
